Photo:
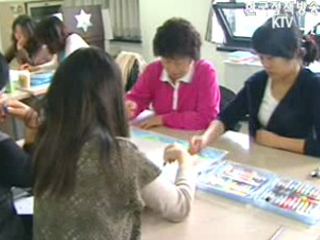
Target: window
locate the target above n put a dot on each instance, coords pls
(231, 24)
(125, 19)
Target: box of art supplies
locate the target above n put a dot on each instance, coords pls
(291, 198)
(41, 78)
(235, 181)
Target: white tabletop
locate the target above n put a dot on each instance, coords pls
(218, 218)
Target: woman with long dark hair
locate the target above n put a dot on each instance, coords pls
(25, 48)
(91, 182)
(52, 32)
(283, 100)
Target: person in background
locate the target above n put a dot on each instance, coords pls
(313, 37)
(25, 48)
(53, 33)
(15, 171)
(91, 182)
(182, 88)
(282, 101)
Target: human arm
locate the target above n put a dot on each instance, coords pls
(24, 113)
(173, 201)
(236, 110)
(48, 66)
(141, 94)
(273, 140)
(213, 132)
(312, 142)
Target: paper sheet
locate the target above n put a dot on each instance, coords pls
(153, 145)
(24, 206)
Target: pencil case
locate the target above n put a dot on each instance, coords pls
(291, 198)
(235, 181)
(41, 78)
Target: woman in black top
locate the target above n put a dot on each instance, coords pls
(283, 100)
(15, 169)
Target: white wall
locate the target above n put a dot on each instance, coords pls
(154, 12)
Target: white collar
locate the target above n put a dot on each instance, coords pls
(187, 78)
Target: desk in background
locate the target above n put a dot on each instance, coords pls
(237, 73)
(218, 218)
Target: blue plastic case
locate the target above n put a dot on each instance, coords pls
(235, 181)
(292, 198)
(41, 78)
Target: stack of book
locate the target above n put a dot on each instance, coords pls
(242, 57)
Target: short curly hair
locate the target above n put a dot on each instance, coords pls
(177, 37)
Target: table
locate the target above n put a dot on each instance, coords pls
(237, 73)
(21, 94)
(218, 218)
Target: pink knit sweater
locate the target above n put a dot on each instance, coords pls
(198, 101)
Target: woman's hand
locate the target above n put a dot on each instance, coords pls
(30, 68)
(197, 143)
(176, 152)
(131, 108)
(21, 111)
(151, 122)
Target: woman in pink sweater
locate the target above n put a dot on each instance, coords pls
(183, 90)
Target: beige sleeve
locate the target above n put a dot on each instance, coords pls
(172, 201)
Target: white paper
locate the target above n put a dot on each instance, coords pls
(143, 116)
(24, 206)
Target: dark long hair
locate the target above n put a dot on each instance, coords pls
(52, 32)
(84, 101)
(28, 26)
(285, 41)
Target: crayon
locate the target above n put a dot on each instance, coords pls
(293, 203)
(293, 186)
(308, 210)
(296, 204)
(288, 183)
(5, 109)
(300, 207)
(281, 204)
(304, 208)
(308, 191)
(300, 188)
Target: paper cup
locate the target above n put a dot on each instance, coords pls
(24, 79)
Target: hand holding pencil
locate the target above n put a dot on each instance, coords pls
(176, 152)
